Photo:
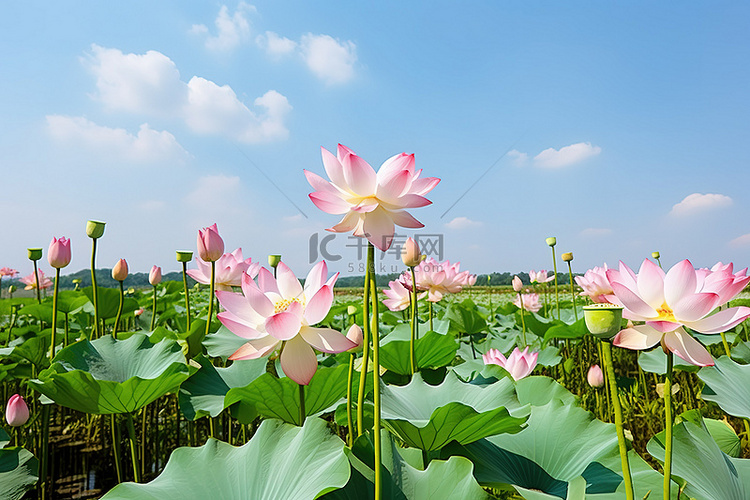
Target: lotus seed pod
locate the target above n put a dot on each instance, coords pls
(35, 253)
(273, 260)
(567, 256)
(95, 229)
(655, 255)
(184, 256)
(551, 241)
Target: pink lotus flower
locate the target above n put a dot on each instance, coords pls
(371, 202)
(59, 253)
(668, 302)
(229, 270)
(530, 301)
(6, 271)
(120, 271)
(596, 285)
(519, 364)
(210, 244)
(16, 411)
(438, 279)
(410, 254)
(280, 312)
(399, 296)
(595, 376)
(540, 277)
(31, 284)
(517, 283)
(154, 276)
(356, 336)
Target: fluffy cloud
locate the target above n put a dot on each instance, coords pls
(462, 223)
(275, 45)
(330, 60)
(741, 241)
(518, 157)
(568, 155)
(147, 146)
(151, 84)
(697, 202)
(231, 30)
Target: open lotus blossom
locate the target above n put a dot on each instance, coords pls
(229, 270)
(7, 271)
(530, 301)
(31, 284)
(280, 313)
(519, 364)
(668, 302)
(439, 278)
(540, 277)
(596, 285)
(399, 296)
(370, 202)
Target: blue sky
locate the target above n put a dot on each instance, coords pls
(619, 129)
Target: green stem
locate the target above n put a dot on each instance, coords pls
(523, 320)
(211, 297)
(349, 417)
(365, 355)
(607, 351)
(668, 426)
(726, 345)
(572, 290)
(54, 317)
(44, 459)
(116, 446)
(412, 355)
(38, 284)
(376, 369)
(302, 412)
(557, 290)
(431, 329)
(133, 447)
(94, 288)
(119, 311)
(153, 311)
(187, 295)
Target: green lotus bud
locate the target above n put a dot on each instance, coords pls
(95, 229)
(551, 241)
(567, 257)
(35, 253)
(603, 320)
(655, 255)
(273, 260)
(184, 256)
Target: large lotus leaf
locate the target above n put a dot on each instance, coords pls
(113, 376)
(538, 391)
(109, 301)
(18, 472)
(443, 480)
(464, 318)
(203, 393)
(741, 352)
(69, 301)
(42, 312)
(697, 459)
(280, 462)
(428, 417)
(655, 361)
(279, 397)
(30, 345)
(402, 331)
(559, 330)
(191, 340)
(432, 350)
(223, 343)
(728, 385)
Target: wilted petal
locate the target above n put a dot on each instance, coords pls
(326, 339)
(637, 338)
(689, 349)
(298, 360)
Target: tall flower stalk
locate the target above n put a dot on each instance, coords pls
(58, 257)
(184, 257)
(365, 354)
(355, 335)
(552, 241)
(119, 273)
(375, 370)
(154, 277)
(668, 421)
(210, 249)
(411, 257)
(34, 255)
(94, 230)
(568, 257)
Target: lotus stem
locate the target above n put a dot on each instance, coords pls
(668, 426)
(365, 355)
(523, 320)
(431, 329)
(153, 312)
(414, 324)
(38, 285)
(116, 446)
(133, 448)
(376, 368)
(44, 459)
(119, 311)
(302, 412)
(211, 297)
(349, 417)
(726, 345)
(95, 292)
(572, 290)
(607, 351)
(54, 316)
(557, 289)
(187, 295)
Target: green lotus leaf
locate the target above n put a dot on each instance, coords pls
(223, 343)
(18, 472)
(30, 345)
(113, 376)
(565, 331)
(655, 361)
(280, 462)
(697, 459)
(464, 318)
(69, 301)
(428, 417)
(42, 312)
(279, 397)
(432, 350)
(728, 385)
(203, 393)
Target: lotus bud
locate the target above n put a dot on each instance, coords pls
(410, 253)
(595, 376)
(567, 256)
(154, 277)
(655, 255)
(58, 254)
(355, 335)
(95, 229)
(603, 320)
(210, 244)
(351, 310)
(517, 284)
(120, 271)
(35, 253)
(16, 411)
(273, 260)
(184, 256)
(551, 241)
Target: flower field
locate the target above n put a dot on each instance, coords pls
(621, 383)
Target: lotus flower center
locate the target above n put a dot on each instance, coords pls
(283, 304)
(665, 313)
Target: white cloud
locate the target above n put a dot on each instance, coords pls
(231, 30)
(518, 157)
(147, 146)
(151, 84)
(568, 155)
(697, 202)
(462, 223)
(329, 59)
(275, 46)
(596, 231)
(740, 241)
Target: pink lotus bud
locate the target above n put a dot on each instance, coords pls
(410, 253)
(120, 271)
(210, 244)
(59, 253)
(16, 411)
(355, 335)
(517, 284)
(154, 277)
(595, 376)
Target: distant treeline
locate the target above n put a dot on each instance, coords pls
(496, 279)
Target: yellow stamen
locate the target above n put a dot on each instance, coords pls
(666, 313)
(283, 304)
